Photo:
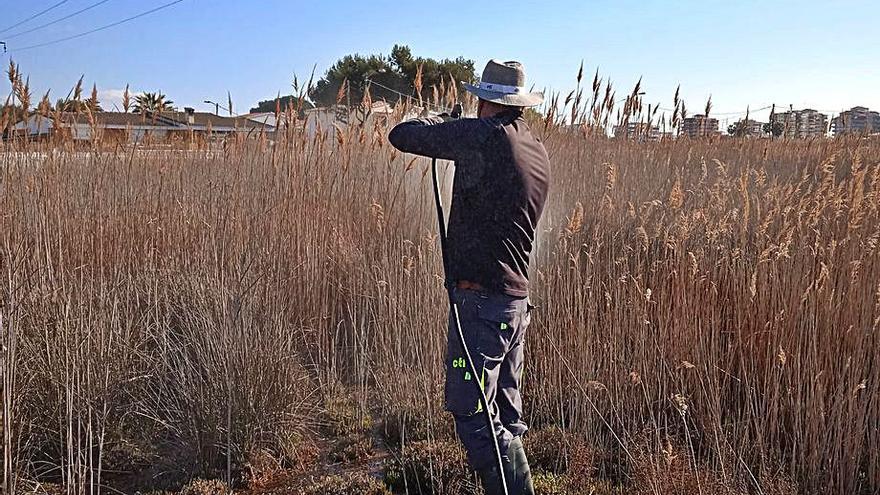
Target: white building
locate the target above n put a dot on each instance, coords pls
(132, 127)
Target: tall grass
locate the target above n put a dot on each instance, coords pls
(177, 313)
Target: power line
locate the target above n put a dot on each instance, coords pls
(56, 21)
(742, 112)
(38, 14)
(410, 97)
(108, 26)
(749, 111)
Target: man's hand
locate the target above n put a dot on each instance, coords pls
(453, 114)
(456, 111)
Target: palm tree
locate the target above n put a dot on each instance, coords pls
(152, 102)
(78, 106)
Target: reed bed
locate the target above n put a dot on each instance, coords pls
(711, 302)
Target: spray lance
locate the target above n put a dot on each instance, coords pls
(453, 309)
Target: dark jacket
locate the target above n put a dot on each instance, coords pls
(501, 179)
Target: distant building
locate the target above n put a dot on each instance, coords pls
(380, 113)
(265, 118)
(328, 119)
(802, 123)
(753, 128)
(136, 127)
(747, 128)
(699, 126)
(857, 120)
(77, 126)
(641, 131)
(325, 119)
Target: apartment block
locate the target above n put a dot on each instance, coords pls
(699, 125)
(857, 120)
(802, 123)
(641, 131)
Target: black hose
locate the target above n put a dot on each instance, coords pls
(453, 308)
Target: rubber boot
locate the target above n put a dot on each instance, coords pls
(516, 473)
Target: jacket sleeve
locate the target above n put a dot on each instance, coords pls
(432, 137)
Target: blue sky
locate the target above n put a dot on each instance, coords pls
(823, 55)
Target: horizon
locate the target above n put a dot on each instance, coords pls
(816, 57)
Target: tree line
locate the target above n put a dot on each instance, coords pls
(393, 77)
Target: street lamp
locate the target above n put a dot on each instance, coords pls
(217, 107)
(640, 93)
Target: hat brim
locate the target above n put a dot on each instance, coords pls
(508, 99)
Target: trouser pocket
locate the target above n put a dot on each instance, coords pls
(489, 327)
(462, 392)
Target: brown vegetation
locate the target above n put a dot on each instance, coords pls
(707, 313)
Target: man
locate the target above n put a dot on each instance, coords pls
(501, 179)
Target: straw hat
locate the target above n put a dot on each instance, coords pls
(503, 83)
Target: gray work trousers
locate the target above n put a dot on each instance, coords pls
(494, 327)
